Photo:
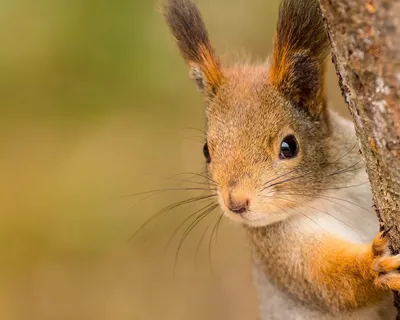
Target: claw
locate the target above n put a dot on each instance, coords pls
(385, 232)
(387, 264)
(391, 281)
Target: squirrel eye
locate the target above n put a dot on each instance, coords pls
(289, 148)
(206, 153)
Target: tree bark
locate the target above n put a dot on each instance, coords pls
(365, 41)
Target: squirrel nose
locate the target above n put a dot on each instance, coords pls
(238, 206)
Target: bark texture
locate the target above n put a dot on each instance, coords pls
(365, 40)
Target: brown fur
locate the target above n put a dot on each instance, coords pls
(344, 271)
(341, 273)
(252, 108)
(187, 26)
(300, 48)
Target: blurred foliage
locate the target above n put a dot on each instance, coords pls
(95, 103)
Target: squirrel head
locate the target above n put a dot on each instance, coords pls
(267, 125)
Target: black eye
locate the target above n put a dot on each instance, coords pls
(206, 153)
(289, 148)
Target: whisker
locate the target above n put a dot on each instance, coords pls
(196, 129)
(218, 224)
(327, 198)
(297, 210)
(184, 221)
(280, 208)
(156, 191)
(210, 242)
(199, 244)
(191, 174)
(347, 169)
(324, 212)
(203, 215)
(166, 210)
(202, 175)
(190, 181)
(196, 139)
(197, 220)
(303, 175)
(281, 176)
(343, 187)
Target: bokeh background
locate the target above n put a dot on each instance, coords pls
(96, 105)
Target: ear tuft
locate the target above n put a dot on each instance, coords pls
(300, 48)
(187, 26)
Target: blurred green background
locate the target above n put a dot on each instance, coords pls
(95, 103)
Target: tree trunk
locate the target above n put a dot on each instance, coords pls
(365, 41)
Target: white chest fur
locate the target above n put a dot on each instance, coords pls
(346, 213)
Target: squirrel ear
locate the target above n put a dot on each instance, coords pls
(300, 48)
(187, 26)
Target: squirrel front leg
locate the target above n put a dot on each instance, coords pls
(349, 276)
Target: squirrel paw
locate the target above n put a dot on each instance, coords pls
(385, 266)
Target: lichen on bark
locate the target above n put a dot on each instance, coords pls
(365, 41)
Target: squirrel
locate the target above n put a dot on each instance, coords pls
(287, 168)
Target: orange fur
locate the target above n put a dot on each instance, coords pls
(351, 270)
(387, 264)
(187, 26)
(248, 117)
(300, 49)
(283, 64)
(280, 66)
(391, 280)
(210, 66)
(332, 274)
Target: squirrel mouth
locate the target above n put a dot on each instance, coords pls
(255, 219)
(247, 217)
